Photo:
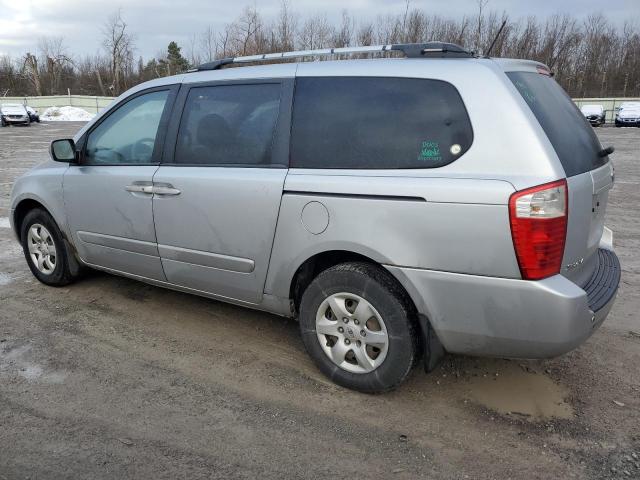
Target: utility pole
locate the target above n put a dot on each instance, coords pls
(626, 81)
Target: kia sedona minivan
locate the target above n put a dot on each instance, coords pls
(381, 202)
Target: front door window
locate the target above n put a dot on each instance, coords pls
(128, 135)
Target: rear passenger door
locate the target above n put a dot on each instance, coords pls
(222, 180)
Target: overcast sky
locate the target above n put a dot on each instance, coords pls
(156, 22)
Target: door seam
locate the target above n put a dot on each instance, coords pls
(153, 217)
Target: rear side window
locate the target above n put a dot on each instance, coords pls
(228, 125)
(568, 131)
(377, 123)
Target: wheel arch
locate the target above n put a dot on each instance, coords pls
(321, 261)
(23, 207)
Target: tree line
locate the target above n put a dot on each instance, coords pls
(591, 57)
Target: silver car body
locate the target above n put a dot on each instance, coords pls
(14, 113)
(240, 235)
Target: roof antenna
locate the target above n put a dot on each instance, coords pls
(504, 22)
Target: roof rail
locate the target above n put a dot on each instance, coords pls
(410, 50)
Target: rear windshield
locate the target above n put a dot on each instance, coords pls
(568, 131)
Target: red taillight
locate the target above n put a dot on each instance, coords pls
(538, 218)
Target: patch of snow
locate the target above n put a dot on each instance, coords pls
(31, 372)
(66, 114)
(14, 361)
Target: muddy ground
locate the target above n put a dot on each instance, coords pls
(110, 378)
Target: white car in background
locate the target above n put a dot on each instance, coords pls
(628, 115)
(593, 113)
(14, 113)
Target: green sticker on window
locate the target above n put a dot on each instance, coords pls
(429, 150)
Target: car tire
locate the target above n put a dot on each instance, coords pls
(41, 239)
(386, 310)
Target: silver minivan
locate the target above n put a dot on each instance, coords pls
(380, 201)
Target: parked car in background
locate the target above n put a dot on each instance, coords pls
(15, 113)
(33, 114)
(627, 105)
(628, 115)
(593, 113)
(373, 200)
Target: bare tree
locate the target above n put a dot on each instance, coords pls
(285, 28)
(589, 57)
(414, 26)
(223, 45)
(389, 29)
(343, 34)
(365, 35)
(315, 33)
(208, 46)
(246, 32)
(119, 46)
(32, 72)
(54, 53)
(193, 54)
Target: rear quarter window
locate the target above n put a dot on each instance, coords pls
(377, 123)
(570, 134)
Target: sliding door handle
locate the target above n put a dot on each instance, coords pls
(165, 190)
(139, 188)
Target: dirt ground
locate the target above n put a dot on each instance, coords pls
(110, 378)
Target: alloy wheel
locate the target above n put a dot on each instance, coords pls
(42, 249)
(352, 333)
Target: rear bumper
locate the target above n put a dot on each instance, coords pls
(505, 317)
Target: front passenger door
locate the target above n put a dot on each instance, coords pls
(107, 195)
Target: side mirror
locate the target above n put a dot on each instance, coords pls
(63, 150)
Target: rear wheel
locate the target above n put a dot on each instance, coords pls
(359, 327)
(44, 249)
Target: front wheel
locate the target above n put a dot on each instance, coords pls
(360, 327)
(44, 249)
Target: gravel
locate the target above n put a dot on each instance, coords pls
(111, 378)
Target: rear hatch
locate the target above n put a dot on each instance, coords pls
(589, 174)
